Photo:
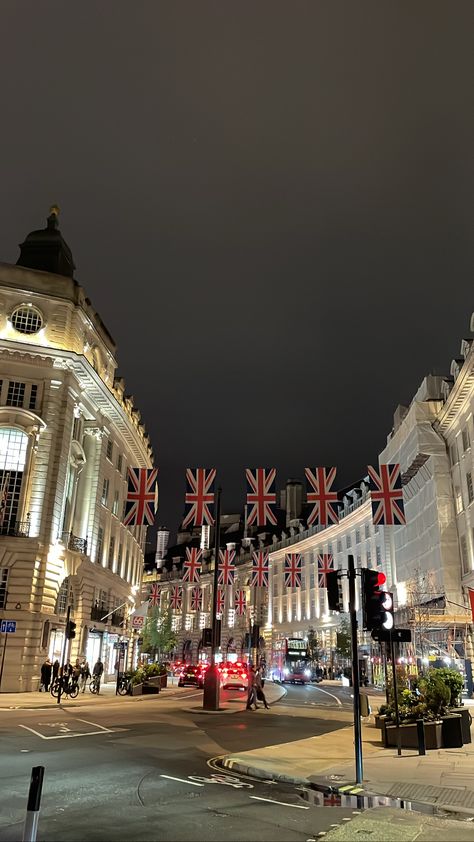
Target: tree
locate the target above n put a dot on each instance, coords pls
(314, 645)
(158, 636)
(343, 638)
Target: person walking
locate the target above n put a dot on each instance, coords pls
(55, 670)
(251, 690)
(46, 670)
(260, 695)
(97, 672)
(85, 674)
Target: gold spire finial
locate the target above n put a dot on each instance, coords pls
(54, 210)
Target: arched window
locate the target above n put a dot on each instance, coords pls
(13, 450)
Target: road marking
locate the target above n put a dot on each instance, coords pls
(183, 780)
(68, 736)
(328, 694)
(283, 803)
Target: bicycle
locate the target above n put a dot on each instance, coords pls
(94, 684)
(123, 686)
(68, 688)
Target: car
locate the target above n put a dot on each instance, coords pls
(234, 675)
(191, 675)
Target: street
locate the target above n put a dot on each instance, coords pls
(139, 770)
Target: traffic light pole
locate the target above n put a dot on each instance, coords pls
(63, 656)
(395, 694)
(211, 693)
(355, 671)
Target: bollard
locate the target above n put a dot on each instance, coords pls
(33, 807)
(420, 732)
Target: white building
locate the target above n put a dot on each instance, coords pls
(68, 432)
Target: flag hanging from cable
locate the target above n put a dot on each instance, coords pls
(220, 602)
(141, 502)
(154, 595)
(293, 569)
(196, 599)
(387, 495)
(199, 496)
(325, 566)
(260, 569)
(226, 567)
(318, 483)
(176, 599)
(192, 565)
(261, 496)
(240, 602)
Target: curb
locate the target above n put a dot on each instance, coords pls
(263, 774)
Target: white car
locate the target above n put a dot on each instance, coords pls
(234, 675)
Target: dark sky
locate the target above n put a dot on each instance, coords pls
(269, 203)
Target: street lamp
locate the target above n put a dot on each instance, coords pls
(212, 678)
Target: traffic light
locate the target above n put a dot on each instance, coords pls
(377, 604)
(70, 629)
(334, 595)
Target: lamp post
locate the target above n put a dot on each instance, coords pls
(212, 679)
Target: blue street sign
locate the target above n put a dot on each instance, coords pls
(8, 626)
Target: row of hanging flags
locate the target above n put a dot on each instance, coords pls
(142, 496)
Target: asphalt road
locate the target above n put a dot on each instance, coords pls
(139, 771)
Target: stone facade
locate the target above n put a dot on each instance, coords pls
(67, 434)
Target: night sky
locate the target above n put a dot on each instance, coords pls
(269, 204)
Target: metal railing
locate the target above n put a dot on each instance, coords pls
(74, 543)
(15, 528)
(117, 618)
(98, 611)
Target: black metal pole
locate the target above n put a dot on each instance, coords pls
(3, 658)
(384, 649)
(355, 672)
(395, 695)
(63, 656)
(33, 806)
(212, 679)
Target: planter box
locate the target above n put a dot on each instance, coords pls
(164, 681)
(137, 689)
(466, 720)
(452, 730)
(149, 688)
(409, 736)
(380, 718)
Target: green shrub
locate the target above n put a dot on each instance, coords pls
(454, 681)
(436, 693)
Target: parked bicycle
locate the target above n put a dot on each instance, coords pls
(124, 686)
(69, 687)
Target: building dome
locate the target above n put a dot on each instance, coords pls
(46, 249)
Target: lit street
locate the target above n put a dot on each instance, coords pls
(136, 770)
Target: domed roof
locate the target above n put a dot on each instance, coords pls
(45, 249)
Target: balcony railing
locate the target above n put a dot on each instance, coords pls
(117, 618)
(98, 611)
(15, 528)
(74, 543)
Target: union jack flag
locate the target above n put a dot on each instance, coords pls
(176, 599)
(261, 495)
(260, 569)
(154, 596)
(220, 603)
(226, 567)
(387, 495)
(199, 496)
(192, 565)
(141, 500)
(325, 566)
(293, 567)
(325, 509)
(196, 599)
(240, 602)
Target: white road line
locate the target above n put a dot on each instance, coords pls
(183, 780)
(95, 724)
(328, 694)
(283, 803)
(67, 736)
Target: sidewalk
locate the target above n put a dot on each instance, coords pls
(444, 778)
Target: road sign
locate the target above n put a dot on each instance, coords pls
(397, 635)
(8, 626)
(138, 622)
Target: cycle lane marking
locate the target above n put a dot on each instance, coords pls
(283, 803)
(182, 780)
(67, 729)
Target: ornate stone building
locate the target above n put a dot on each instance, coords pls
(68, 432)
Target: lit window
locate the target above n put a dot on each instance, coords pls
(27, 320)
(115, 504)
(110, 448)
(105, 492)
(458, 499)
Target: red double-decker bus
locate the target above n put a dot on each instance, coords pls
(290, 661)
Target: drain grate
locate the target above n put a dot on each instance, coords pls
(455, 797)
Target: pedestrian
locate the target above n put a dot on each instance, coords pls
(46, 670)
(97, 672)
(85, 674)
(55, 670)
(260, 695)
(76, 672)
(251, 690)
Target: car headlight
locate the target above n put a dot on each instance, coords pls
(285, 671)
(307, 673)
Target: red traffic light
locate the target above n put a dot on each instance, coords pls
(381, 579)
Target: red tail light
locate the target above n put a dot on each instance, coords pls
(244, 675)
